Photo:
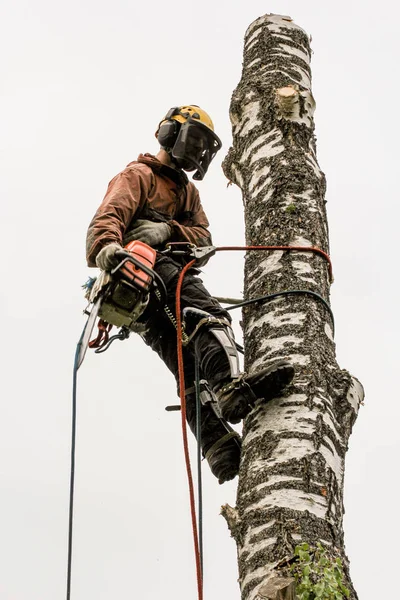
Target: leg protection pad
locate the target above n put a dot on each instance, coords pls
(197, 322)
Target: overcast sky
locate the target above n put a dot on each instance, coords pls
(84, 85)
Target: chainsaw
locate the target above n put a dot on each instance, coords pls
(118, 298)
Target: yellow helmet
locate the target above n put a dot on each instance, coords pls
(187, 134)
(195, 112)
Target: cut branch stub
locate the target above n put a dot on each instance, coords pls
(292, 104)
(279, 588)
(232, 518)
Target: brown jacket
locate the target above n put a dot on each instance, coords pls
(147, 189)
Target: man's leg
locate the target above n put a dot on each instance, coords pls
(220, 444)
(209, 326)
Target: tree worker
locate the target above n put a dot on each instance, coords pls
(153, 201)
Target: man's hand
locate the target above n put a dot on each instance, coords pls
(106, 259)
(148, 232)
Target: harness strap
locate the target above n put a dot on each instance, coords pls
(221, 442)
(210, 320)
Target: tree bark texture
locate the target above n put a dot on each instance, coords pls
(291, 478)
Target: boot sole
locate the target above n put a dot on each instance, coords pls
(273, 381)
(265, 385)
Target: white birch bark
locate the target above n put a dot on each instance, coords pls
(291, 478)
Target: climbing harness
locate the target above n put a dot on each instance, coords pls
(120, 300)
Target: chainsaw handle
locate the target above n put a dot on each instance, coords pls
(122, 253)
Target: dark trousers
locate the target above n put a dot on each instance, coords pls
(160, 335)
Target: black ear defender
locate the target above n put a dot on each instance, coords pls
(168, 133)
(169, 128)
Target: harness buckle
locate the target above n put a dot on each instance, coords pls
(179, 248)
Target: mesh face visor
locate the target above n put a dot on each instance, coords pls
(195, 147)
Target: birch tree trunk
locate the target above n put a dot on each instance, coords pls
(291, 479)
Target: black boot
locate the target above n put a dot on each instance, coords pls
(237, 397)
(224, 457)
(220, 444)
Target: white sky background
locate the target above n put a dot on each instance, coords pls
(84, 85)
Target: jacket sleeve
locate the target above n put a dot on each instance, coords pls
(192, 225)
(125, 194)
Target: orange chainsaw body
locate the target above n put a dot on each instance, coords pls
(133, 273)
(127, 295)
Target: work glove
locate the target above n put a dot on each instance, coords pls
(106, 258)
(148, 232)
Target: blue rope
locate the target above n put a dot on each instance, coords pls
(72, 470)
(199, 475)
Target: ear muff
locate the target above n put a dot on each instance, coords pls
(168, 133)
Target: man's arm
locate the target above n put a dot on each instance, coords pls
(124, 195)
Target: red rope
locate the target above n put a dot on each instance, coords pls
(184, 430)
(298, 248)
